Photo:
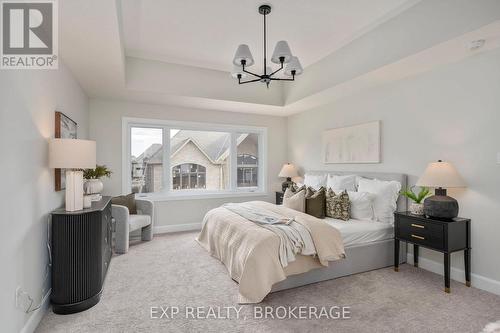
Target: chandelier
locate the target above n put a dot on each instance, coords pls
(282, 56)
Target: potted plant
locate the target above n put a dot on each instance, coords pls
(93, 184)
(416, 207)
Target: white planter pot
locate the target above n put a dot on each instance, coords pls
(417, 209)
(93, 186)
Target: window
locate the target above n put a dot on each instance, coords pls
(145, 159)
(247, 170)
(189, 176)
(247, 160)
(175, 157)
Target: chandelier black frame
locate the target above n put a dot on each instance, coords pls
(267, 77)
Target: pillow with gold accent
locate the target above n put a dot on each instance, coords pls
(338, 206)
(315, 202)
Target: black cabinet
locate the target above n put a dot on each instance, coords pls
(439, 235)
(81, 253)
(279, 198)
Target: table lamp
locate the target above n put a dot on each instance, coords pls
(287, 171)
(72, 155)
(441, 175)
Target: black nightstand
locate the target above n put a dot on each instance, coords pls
(279, 198)
(443, 236)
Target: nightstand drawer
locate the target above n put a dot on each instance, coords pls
(426, 234)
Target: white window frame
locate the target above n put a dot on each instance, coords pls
(167, 193)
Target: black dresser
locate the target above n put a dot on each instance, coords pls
(81, 252)
(438, 235)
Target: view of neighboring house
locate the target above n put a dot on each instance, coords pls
(199, 160)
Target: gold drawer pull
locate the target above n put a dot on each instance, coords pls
(417, 226)
(417, 237)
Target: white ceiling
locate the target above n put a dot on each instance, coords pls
(206, 33)
(415, 37)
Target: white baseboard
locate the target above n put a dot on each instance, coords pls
(37, 315)
(477, 281)
(161, 229)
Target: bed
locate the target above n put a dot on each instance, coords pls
(368, 245)
(245, 248)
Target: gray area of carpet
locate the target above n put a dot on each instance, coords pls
(174, 271)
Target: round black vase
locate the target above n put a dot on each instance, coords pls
(441, 207)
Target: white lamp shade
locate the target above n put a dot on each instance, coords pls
(281, 50)
(441, 174)
(72, 154)
(294, 65)
(243, 53)
(288, 171)
(238, 70)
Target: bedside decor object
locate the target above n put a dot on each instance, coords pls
(441, 175)
(72, 154)
(65, 128)
(353, 144)
(287, 171)
(416, 207)
(93, 185)
(87, 201)
(435, 234)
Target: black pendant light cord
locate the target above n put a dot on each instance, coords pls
(265, 51)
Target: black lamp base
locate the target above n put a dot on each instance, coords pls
(441, 206)
(286, 184)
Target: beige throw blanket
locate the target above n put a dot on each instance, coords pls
(294, 237)
(251, 253)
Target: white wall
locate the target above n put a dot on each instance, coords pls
(451, 113)
(28, 99)
(106, 128)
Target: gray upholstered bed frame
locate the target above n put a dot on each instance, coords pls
(359, 258)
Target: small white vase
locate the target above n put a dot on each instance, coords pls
(93, 186)
(417, 208)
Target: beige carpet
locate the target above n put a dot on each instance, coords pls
(173, 270)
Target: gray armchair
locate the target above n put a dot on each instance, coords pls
(126, 223)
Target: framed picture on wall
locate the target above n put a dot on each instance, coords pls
(65, 128)
(353, 144)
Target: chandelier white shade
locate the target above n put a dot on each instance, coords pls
(282, 55)
(281, 50)
(238, 70)
(293, 65)
(243, 54)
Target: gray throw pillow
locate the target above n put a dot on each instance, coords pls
(127, 201)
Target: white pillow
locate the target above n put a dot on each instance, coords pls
(386, 197)
(362, 205)
(341, 183)
(295, 201)
(315, 181)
